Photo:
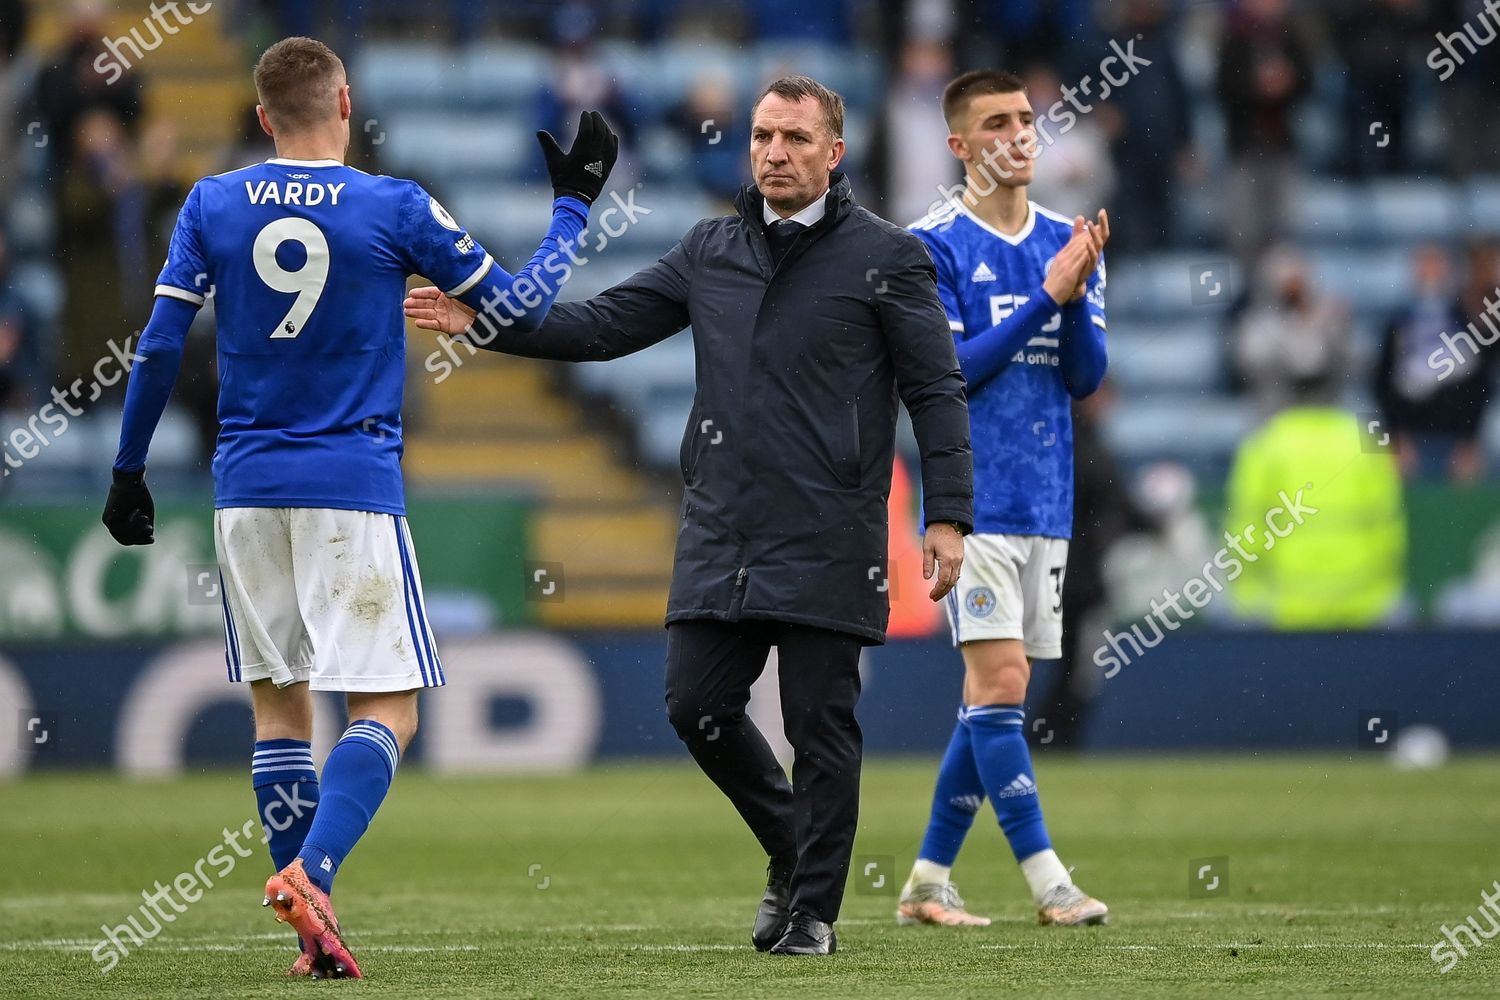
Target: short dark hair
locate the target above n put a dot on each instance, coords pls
(795, 88)
(976, 82)
(297, 80)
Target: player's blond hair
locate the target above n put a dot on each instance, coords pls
(298, 81)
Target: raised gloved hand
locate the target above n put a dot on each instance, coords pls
(581, 171)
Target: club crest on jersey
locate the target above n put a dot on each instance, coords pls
(441, 215)
(982, 273)
(981, 602)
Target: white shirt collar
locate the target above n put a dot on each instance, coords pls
(284, 162)
(808, 216)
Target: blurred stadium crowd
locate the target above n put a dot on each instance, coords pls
(1306, 200)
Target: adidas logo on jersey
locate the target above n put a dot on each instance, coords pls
(982, 273)
(1021, 786)
(596, 168)
(968, 803)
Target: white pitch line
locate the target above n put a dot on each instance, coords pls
(1289, 946)
(1284, 911)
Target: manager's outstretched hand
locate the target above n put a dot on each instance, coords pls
(581, 171)
(430, 309)
(942, 556)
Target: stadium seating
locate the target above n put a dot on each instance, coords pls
(460, 118)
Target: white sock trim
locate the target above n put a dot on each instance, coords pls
(1044, 872)
(926, 872)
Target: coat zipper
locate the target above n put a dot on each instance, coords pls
(737, 602)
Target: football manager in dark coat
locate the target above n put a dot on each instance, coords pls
(810, 317)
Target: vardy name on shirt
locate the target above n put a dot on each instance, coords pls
(292, 193)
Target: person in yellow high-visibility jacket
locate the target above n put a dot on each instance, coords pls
(1316, 515)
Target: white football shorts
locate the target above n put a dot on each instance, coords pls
(331, 597)
(1011, 588)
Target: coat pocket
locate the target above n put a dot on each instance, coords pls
(847, 459)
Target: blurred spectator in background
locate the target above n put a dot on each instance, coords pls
(14, 333)
(89, 118)
(580, 81)
(657, 21)
(102, 244)
(1336, 505)
(915, 144)
(250, 144)
(714, 127)
(13, 19)
(287, 17)
(1474, 600)
(1374, 39)
(1150, 123)
(1079, 175)
(14, 16)
(346, 22)
(1467, 102)
(1013, 33)
(162, 189)
(827, 21)
(1433, 382)
(1265, 70)
(1292, 338)
(197, 388)
(72, 88)
(1102, 514)
(1169, 542)
(295, 17)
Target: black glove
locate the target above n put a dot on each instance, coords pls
(581, 171)
(129, 513)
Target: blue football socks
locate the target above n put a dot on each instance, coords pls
(356, 778)
(1004, 764)
(286, 795)
(955, 801)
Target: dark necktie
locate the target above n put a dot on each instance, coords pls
(779, 237)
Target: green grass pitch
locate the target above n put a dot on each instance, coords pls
(638, 880)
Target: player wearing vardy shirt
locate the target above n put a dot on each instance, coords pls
(1024, 292)
(307, 260)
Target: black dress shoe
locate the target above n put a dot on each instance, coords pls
(772, 918)
(807, 936)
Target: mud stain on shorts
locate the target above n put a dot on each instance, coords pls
(370, 598)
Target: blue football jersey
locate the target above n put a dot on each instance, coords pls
(307, 265)
(1021, 420)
